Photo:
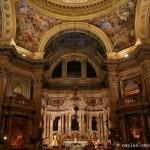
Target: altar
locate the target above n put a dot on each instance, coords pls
(75, 145)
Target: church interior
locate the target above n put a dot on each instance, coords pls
(74, 74)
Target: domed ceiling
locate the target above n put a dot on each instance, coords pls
(33, 23)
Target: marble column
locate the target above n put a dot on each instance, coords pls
(69, 122)
(45, 124)
(148, 120)
(103, 124)
(62, 124)
(87, 123)
(114, 99)
(100, 127)
(146, 76)
(51, 128)
(48, 126)
(123, 130)
(37, 98)
(82, 122)
(144, 128)
(3, 83)
(114, 90)
(105, 127)
(90, 125)
(8, 143)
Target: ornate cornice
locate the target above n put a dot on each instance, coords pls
(139, 54)
(11, 52)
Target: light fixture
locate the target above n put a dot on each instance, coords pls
(24, 55)
(5, 137)
(126, 55)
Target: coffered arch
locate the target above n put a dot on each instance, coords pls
(142, 19)
(75, 27)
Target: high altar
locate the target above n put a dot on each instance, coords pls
(92, 118)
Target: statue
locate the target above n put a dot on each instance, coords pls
(94, 124)
(54, 142)
(55, 123)
(74, 123)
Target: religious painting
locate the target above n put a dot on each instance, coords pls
(119, 25)
(31, 25)
(134, 129)
(18, 88)
(19, 131)
(0, 23)
(132, 86)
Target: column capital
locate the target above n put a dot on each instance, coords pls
(113, 81)
(146, 69)
(37, 82)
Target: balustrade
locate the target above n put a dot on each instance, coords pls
(18, 101)
(133, 100)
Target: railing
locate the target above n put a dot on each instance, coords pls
(19, 101)
(133, 100)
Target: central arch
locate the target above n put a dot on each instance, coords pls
(73, 27)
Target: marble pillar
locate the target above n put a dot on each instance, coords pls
(3, 84)
(37, 98)
(146, 75)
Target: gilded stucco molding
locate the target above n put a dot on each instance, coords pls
(76, 26)
(142, 19)
(75, 12)
(8, 21)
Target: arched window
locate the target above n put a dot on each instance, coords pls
(90, 72)
(74, 69)
(57, 73)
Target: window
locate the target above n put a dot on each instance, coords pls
(57, 73)
(74, 69)
(90, 72)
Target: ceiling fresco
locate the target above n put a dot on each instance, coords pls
(31, 26)
(76, 41)
(119, 25)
